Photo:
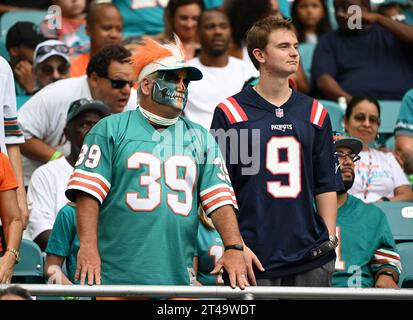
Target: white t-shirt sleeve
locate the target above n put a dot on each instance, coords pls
(34, 117)
(398, 175)
(41, 203)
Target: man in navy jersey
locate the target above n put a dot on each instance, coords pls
(286, 189)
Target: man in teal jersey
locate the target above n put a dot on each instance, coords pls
(404, 132)
(366, 251)
(140, 178)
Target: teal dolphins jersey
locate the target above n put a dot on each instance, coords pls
(210, 249)
(404, 125)
(366, 245)
(150, 184)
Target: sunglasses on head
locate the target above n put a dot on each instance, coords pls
(361, 117)
(49, 70)
(46, 49)
(119, 84)
(352, 156)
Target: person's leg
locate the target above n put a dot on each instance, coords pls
(318, 277)
(276, 282)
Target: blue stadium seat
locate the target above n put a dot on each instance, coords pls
(389, 114)
(10, 18)
(306, 51)
(30, 267)
(406, 256)
(336, 114)
(3, 50)
(400, 217)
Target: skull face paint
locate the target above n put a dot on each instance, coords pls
(171, 88)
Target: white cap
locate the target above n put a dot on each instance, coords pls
(50, 48)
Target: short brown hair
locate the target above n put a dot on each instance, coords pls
(257, 35)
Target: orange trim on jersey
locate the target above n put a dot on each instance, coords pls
(389, 255)
(228, 113)
(218, 200)
(316, 109)
(97, 180)
(214, 192)
(10, 122)
(87, 186)
(313, 110)
(239, 108)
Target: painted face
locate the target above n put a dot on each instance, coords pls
(171, 89)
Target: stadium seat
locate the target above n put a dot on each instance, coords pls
(306, 51)
(30, 267)
(3, 50)
(406, 256)
(10, 18)
(336, 114)
(389, 114)
(400, 217)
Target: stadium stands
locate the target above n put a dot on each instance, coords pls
(10, 18)
(406, 255)
(400, 217)
(336, 114)
(30, 267)
(306, 55)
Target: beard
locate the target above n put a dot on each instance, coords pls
(347, 185)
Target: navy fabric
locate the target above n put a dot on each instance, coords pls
(372, 62)
(282, 231)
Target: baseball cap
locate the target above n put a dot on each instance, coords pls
(50, 48)
(354, 144)
(24, 33)
(152, 56)
(86, 104)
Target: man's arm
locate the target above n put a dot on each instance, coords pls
(404, 148)
(383, 280)
(42, 239)
(225, 222)
(331, 89)
(88, 259)
(13, 151)
(53, 270)
(327, 208)
(36, 149)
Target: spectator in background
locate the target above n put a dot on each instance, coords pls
(141, 17)
(10, 218)
(392, 9)
(310, 18)
(379, 176)
(43, 117)
(21, 41)
(11, 135)
(46, 192)
(73, 26)
(366, 251)
(404, 132)
(223, 76)
(15, 293)
(104, 26)
(51, 62)
(14, 5)
(374, 60)
(181, 17)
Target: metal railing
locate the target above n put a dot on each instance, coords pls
(250, 293)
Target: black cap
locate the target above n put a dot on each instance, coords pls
(86, 104)
(24, 33)
(354, 144)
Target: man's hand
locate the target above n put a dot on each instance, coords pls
(369, 17)
(25, 76)
(6, 267)
(234, 264)
(88, 264)
(385, 281)
(250, 259)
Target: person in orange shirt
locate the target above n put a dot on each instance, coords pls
(104, 26)
(10, 218)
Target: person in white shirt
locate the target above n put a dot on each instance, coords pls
(224, 76)
(379, 177)
(11, 135)
(109, 79)
(46, 192)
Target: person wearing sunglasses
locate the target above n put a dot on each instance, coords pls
(366, 253)
(51, 62)
(379, 176)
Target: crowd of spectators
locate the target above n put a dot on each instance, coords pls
(75, 75)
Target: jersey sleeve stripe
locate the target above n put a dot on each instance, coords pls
(215, 187)
(387, 254)
(225, 109)
(234, 111)
(216, 196)
(380, 263)
(318, 113)
(219, 203)
(93, 177)
(92, 183)
(93, 191)
(238, 108)
(217, 191)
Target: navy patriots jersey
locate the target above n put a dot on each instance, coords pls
(278, 160)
